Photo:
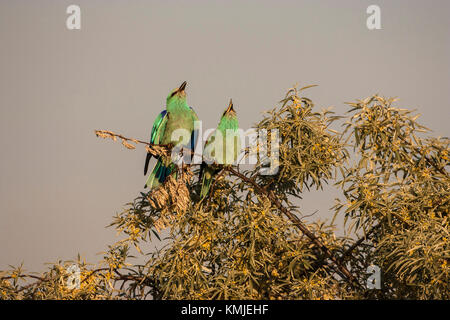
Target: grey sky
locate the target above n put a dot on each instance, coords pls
(60, 185)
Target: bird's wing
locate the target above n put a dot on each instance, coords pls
(206, 152)
(195, 132)
(157, 131)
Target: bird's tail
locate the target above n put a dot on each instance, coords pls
(206, 181)
(159, 174)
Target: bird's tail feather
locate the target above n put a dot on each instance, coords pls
(159, 174)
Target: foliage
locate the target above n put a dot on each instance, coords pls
(245, 241)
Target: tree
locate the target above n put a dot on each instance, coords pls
(246, 241)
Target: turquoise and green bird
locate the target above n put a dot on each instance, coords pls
(221, 148)
(166, 130)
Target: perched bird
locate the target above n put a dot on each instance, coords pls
(221, 148)
(178, 115)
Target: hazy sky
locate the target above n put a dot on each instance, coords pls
(60, 185)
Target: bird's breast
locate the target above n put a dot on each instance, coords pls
(179, 128)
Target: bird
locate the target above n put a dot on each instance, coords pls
(165, 131)
(222, 151)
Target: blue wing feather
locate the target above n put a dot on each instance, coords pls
(156, 126)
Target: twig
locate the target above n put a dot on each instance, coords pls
(92, 273)
(428, 160)
(23, 276)
(154, 149)
(359, 241)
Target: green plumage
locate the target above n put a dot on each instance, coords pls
(222, 148)
(175, 126)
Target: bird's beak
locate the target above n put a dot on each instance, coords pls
(230, 107)
(183, 86)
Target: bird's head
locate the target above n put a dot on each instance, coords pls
(230, 110)
(177, 93)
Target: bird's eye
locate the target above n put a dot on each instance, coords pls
(173, 93)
